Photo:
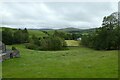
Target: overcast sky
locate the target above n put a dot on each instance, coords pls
(55, 14)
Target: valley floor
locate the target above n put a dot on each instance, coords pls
(77, 62)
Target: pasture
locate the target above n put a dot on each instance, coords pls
(39, 33)
(72, 43)
(77, 62)
(36, 32)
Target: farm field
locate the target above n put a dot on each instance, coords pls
(36, 32)
(39, 33)
(72, 43)
(77, 62)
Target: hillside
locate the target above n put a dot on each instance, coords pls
(36, 33)
(77, 30)
(70, 29)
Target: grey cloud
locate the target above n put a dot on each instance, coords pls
(55, 15)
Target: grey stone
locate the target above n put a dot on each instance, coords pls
(16, 54)
(7, 54)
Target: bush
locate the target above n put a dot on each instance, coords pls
(13, 48)
(31, 46)
(49, 43)
(52, 43)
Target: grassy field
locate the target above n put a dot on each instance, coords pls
(0, 70)
(72, 43)
(37, 33)
(77, 62)
(0, 29)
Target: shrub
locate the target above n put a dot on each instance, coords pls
(31, 46)
(49, 43)
(13, 48)
(52, 43)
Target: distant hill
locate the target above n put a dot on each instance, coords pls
(70, 29)
(42, 29)
(75, 30)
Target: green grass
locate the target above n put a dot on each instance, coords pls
(72, 43)
(0, 70)
(37, 33)
(77, 62)
(0, 29)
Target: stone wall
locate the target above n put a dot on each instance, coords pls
(2, 47)
(7, 54)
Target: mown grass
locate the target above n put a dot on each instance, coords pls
(72, 43)
(40, 33)
(77, 62)
(37, 33)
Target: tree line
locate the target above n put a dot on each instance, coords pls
(10, 36)
(106, 37)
